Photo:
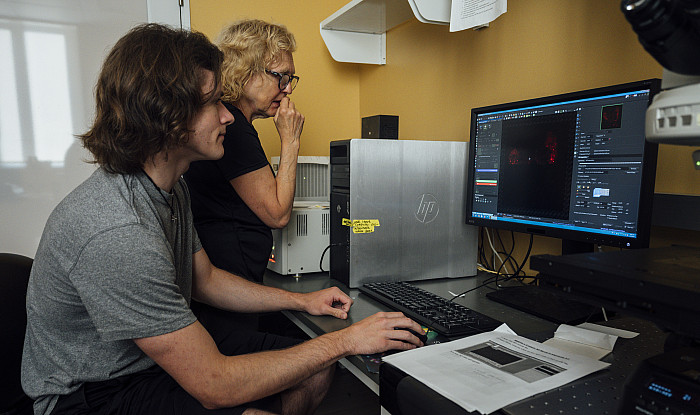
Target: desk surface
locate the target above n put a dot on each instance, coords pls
(522, 323)
(363, 306)
(597, 393)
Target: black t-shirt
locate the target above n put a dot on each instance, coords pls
(234, 238)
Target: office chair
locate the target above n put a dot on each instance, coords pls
(14, 276)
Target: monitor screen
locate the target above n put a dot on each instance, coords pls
(574, 166)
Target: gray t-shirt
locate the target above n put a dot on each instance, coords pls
(111, 266)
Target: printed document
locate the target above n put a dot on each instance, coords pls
(488, 371)
(466, 14)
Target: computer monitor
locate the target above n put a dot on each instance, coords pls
(574, 166)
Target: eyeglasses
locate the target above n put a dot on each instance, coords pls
(285, 79)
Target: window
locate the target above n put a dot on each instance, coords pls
(36, 122)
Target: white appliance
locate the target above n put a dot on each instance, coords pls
(301, 246)
(298, 247)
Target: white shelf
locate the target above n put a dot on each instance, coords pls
(357, 32)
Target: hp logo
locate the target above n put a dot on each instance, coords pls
(428, 208)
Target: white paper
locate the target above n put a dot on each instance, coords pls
(587, 339)
(585, 342)
(311, 204)
(625, 334)
(466, 14)
(491, 370)
(503, 328)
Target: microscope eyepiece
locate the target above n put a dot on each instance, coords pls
(668, 30)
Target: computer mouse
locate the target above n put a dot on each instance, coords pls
(422, 336)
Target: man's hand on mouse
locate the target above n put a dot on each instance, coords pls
(331, 301)
(381, 332)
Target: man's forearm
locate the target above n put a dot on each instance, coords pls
(234, 293)
(257, 375)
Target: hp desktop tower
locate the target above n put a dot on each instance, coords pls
(398, 211)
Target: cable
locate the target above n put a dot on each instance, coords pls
(320, 264)
(511, 259)
(509, 255)
(482, 251)
(522, 264)
(483, 284)
(494, 250)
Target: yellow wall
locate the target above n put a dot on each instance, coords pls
(433, 77)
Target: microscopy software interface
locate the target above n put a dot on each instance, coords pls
(572, 164)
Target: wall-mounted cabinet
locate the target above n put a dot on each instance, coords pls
(357, 32)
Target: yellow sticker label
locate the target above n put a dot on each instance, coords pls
(365, 222)
(361, 225)
(363, 228)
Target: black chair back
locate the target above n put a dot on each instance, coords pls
(14, 276)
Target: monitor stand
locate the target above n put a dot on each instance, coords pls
(575, 247)
(555, 307)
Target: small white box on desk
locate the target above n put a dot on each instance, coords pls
(298, 247)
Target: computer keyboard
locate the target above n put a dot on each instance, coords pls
(430, 310)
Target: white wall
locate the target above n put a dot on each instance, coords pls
(50, 54)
